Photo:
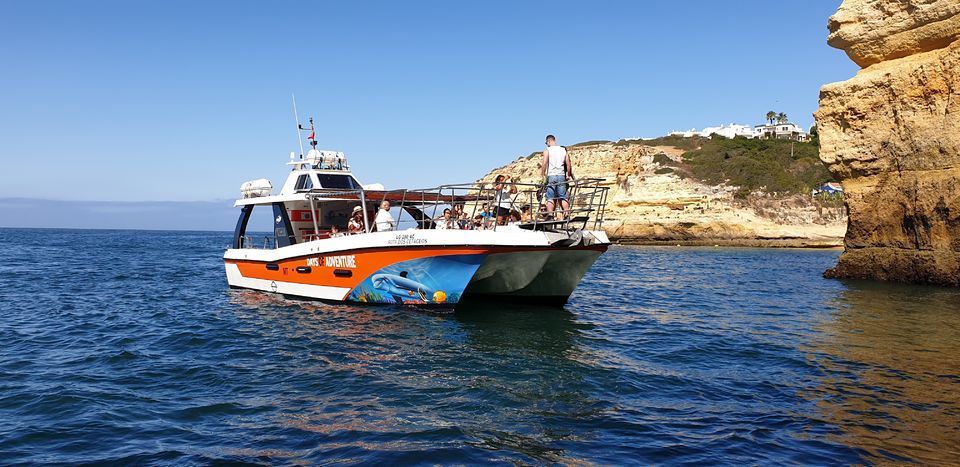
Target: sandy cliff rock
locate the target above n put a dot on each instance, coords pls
(873, 31)
(892, 135)
(648, 207)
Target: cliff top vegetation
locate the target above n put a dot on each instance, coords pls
(750, 164)
(770, 165)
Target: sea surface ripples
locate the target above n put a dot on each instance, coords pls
(126, 346)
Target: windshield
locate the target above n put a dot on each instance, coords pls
(338, 181)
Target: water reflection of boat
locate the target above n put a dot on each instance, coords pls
(511, 327)
(889, 354)
(308, 256)
(491, 375)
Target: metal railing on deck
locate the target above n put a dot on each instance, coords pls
(524, 204)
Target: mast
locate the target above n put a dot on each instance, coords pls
(296, 118)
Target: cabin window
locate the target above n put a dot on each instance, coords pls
(338, 181)
(304, 183)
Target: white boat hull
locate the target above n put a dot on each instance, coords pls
(539, 276)
(421, 267)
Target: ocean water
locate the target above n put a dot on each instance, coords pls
(127, 347)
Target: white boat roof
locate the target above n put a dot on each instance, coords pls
(314, 164)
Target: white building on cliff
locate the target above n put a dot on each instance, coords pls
(785, 130)
(728, 131)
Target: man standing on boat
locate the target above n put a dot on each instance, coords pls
(384, 219)
(556, 167)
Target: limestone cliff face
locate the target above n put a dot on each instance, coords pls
(892, 135)
(650, 204)
(873, 31)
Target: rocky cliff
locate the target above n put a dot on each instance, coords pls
(892, 135)
(650, 203)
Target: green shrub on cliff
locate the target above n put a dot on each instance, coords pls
(589, 143)
(757, 164)
(663, 160)
(680, 142)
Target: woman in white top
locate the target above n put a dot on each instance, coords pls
(355, 224)
(505, 191)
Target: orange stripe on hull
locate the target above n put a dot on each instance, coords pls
(365, 263)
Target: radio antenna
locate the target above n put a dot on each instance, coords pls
(296, 118)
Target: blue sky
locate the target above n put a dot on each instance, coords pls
(183, 101)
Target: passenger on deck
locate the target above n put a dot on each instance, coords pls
(486, 215)
(504, 189)
(445, 222)
(556, 167)
(335, 232)
(525, 215)
(355, 225)
(479, 222)
(384, 219)
(461, 218)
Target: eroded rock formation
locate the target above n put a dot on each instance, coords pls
(650, 204)
(892, 135)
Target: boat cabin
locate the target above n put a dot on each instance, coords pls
(298, 217)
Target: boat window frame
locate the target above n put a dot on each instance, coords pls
(301, 185)
(353, 181)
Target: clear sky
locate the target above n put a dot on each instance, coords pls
(185, 100)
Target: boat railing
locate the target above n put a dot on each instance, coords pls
(527, 206)
(523, 204)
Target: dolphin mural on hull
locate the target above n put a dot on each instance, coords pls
(401, 287)
(433, 280)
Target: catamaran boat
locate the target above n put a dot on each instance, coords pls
(538, 259)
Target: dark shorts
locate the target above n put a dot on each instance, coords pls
(501, 211)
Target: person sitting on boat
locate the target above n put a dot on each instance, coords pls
(557, 169)
(486, 215)
(479, 223)
(335, 232)
(505, 190)
(384, 220)
(461, 218)
(525, 215)
(355, 225)
(445, 222)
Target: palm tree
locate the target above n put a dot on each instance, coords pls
(770, 116)
(782, 117)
